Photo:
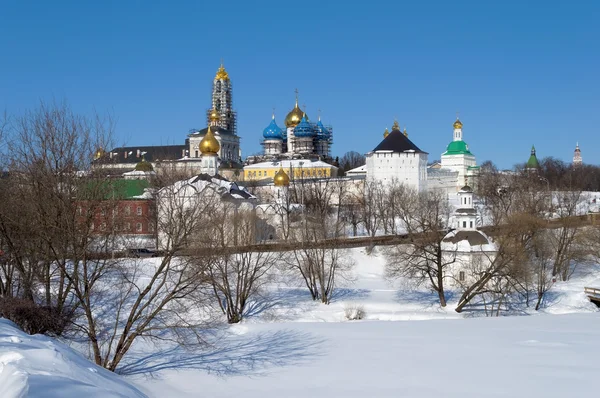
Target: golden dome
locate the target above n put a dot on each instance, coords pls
(457, 124)
(386, 133)
(99, 153)
(222, 74)
(293, 118)
(405, 133)
(395, 126)
(214, 115)
(281, 179)
(209, 144)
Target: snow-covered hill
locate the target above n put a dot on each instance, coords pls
(41, 367)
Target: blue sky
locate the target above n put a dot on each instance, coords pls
(519, 73)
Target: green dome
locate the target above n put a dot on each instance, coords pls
(144, 165)
(457, 148)
(532, 163)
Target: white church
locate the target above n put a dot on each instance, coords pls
(398, 158)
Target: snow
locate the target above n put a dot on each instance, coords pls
(549, 356)
(39, 366)
(290, 346)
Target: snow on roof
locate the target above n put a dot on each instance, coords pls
(203, 181)
(468, 241)
(358, 170)
(289, 163)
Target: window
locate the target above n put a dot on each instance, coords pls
(79, 211)
(128, 226)
(150, 227)
(127, 210)
(471, 224)
(139, 210)
(138, 227)
(461, 276)
(103, 226)
(464, 224)
(103, 212)
(195, 153)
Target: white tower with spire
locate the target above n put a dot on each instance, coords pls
(577, 160)
(458, 157)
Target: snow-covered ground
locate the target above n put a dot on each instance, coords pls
(537, 356)
(291, 346)
(41, 367)
(294, 347)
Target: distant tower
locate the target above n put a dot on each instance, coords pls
(577, 161)
(222, 102)
(532, 164)
(209, 147)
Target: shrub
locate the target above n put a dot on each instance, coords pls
(354, 312)
(33, 318)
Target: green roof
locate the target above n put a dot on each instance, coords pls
(113, 189)
(457, 148)
(532, 163)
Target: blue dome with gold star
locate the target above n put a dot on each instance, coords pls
(272, 131)
(304, 129)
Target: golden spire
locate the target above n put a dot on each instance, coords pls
(281, 179)
(405, 133)
(386, 133)
(296, 91)
(222, 73)
(395, 126)
(209, 144)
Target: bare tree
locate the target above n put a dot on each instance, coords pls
(237, 276)
(318, 260)
(425, 216)
(351, 160)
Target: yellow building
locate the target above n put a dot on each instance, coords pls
(296, 169)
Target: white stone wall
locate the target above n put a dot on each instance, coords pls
(409, 168)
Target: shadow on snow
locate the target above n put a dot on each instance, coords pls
(231, 355)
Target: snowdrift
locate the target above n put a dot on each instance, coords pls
(39, 366)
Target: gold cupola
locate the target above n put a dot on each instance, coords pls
(405, 133)
(281, 179)
(222, 73)
(99, 153)
(293, 118)
(209, 144)
(386, 133)
(457, 124)
(214, 115)
(395, 126)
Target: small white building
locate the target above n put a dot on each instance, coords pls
(398, 158)
(465, 247)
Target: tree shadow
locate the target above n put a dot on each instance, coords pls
(230, 355)
(423, 298)
(280, 303)
(349, 294)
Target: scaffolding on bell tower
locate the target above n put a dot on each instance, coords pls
(222, 102)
